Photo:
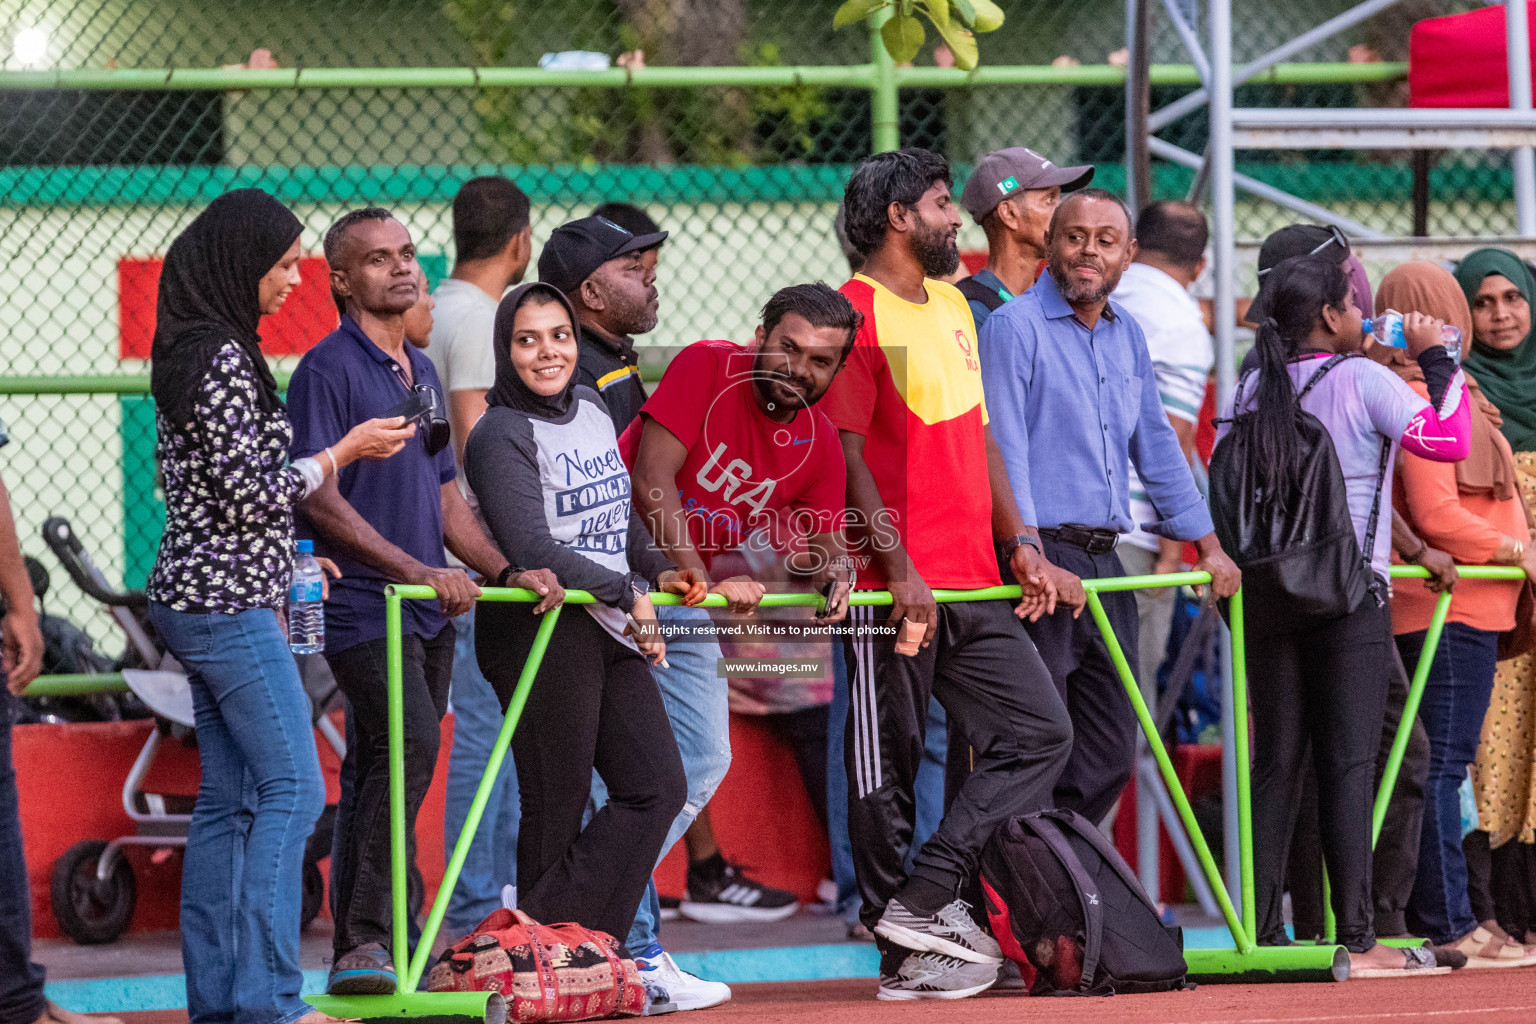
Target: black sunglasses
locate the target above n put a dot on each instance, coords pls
(1335, 237)
(438, 432)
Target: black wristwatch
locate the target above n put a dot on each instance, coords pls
(506, 574)
(1013, 544)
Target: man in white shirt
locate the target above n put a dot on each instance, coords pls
(1171, 237)
(493, 242)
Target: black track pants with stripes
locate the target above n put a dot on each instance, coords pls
(986, 673)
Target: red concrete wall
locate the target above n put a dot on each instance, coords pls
(70, 779)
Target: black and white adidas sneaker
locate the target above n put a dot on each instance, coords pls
(952, 931)
(905, 974)
(719, 893)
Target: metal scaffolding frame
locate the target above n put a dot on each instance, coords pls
(1233, 128)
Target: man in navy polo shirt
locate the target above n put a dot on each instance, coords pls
(382, 524)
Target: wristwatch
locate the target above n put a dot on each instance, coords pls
(506, 574)
(1013, 544)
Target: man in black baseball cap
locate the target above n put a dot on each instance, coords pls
(612, 287)
(1012, 194)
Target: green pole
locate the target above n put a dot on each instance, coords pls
(397, 849)
(1238, 708)
(1330, 923)
(1410, 713)
(853, 76)
(482, 797)
(884, 109)
(76, 685)
(1175, 789)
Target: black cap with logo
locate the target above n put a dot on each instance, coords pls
(578, 248)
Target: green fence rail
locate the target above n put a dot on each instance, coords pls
(857, 76)
(1244, 961)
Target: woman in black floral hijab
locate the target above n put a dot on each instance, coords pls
(215, 594)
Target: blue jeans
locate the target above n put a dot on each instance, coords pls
(928, 791)
(492, 860)
(21, 980)
(1455, 701)
(260, 794)
(698, 708)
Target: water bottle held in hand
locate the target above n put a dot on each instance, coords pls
(1388, 329)
(306, 603)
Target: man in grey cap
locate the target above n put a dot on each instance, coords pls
(1012, 194)
(601, 267)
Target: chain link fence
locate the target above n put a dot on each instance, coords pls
(95, 183)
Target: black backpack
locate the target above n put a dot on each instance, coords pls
(1066, 908)
(975, 291)
(1298, 551)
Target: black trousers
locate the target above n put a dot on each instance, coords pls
(997, 693)
(360, 862)
(1395, 862)
(1323, 684)
(805, 731)
(594, 704)
(1502, 883)
(1103, 724)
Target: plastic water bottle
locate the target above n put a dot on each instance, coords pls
(306, 605)
(1388, 329)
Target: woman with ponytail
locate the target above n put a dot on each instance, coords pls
(1323, 681)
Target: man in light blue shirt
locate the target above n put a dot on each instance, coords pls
(1073, 401)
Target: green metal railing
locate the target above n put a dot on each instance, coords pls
(1244, 961)
(880, 76)
(873, 76)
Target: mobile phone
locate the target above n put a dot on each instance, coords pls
(415, 409)
(827, 593)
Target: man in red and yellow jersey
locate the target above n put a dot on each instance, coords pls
(928, 496)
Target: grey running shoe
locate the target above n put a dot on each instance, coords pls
(907, 975)
(952, 931)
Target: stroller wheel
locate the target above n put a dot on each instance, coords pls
(89, 910)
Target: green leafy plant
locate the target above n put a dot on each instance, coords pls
(956, 21)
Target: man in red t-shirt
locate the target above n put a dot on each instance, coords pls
(929, 498)
(730, 454)
(731, 450)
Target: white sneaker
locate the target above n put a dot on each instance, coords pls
(660, 972)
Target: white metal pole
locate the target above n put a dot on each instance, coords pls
(1131, 120)
(1518, 43)
(1223, 238)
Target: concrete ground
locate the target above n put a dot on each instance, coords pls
(156, 953)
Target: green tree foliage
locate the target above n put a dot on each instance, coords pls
(956, 21)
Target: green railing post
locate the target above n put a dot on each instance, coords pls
(1410, 713)
(1237, 707)
(884, 109)
(397, 845)
(1240, 936)
(482, 797)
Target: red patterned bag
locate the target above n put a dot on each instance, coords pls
(561, 972)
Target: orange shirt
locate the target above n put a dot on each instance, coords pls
(912, 388)
(1469, 528)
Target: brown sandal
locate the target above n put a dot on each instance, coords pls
(1483, 949)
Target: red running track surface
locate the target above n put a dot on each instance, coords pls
(1466, 997)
